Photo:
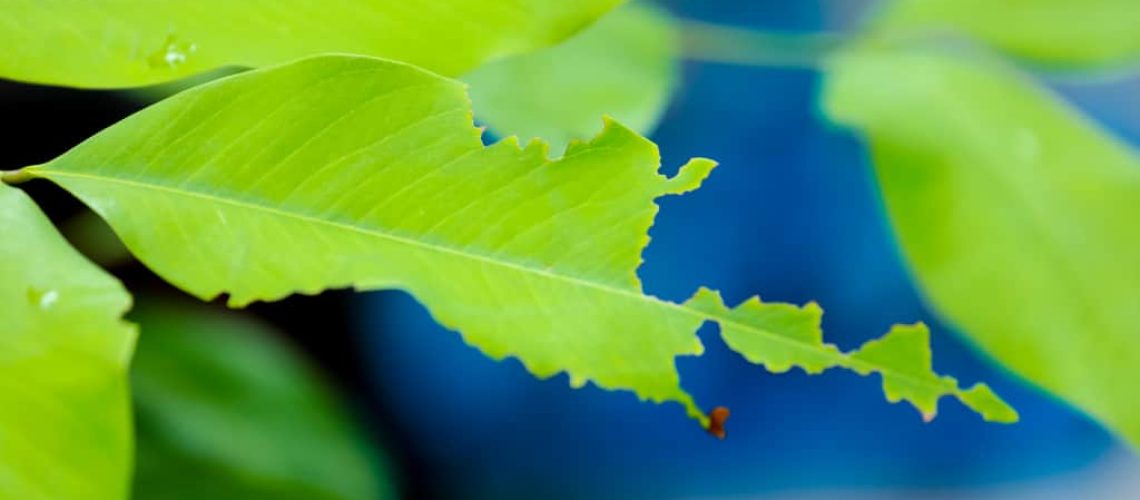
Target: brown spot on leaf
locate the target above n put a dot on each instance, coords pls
(717, 418)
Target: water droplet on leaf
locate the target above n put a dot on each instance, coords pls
(43, 299)
(173, 53)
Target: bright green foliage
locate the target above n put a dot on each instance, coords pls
(1055, 32)
(905, 352)
(1017, 215)
(347, 171)
(797, 338)
(128, 43)
(225, 410)
(625, 67)
(344, 171)
(780, 336)
(64, 415)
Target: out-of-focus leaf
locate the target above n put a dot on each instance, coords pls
(1053, 32)
(225, 410)
(349, 171)
(129, 43)
(92, 237)
(1019, 217)
(625, 66)
(64, 415)
(154, 93)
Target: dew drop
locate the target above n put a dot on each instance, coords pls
(173, 53)
(43, 299)
(49, 299)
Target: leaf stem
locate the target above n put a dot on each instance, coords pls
(747, 47)
(13, 177)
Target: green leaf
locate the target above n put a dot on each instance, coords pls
(226, 410)
(1056, 32)
(625, 66)
(93, 238)
(345, 171)
(1017, 215)
(65, 424)
(780, 336)
(128, 43)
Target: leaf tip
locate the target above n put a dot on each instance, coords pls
(690, 177)
(988, 404)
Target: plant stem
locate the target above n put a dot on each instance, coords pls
(741, 46)
(13, 177)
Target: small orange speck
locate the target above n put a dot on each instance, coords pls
(927, 417)
(717, 418)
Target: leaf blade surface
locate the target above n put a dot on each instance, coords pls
(625, 66)
(1016, 215)
(225, 409)
(1067, 33)
(130, 43)
(66, 426)
(345, 171)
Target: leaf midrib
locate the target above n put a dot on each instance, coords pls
(841, 360)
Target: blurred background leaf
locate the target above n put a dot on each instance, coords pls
(1051, 32)
(64, 414)
(625, 66)
(224, 409)
(94, 239)
(1016, 213)
(130, 43)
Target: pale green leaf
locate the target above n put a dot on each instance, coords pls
(625, 66)
(65, 426)
(226, 410)
(345, 171)
(1018, 217)
(1056, 32)
(128, 43)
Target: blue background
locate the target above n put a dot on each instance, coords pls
(792, 214)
